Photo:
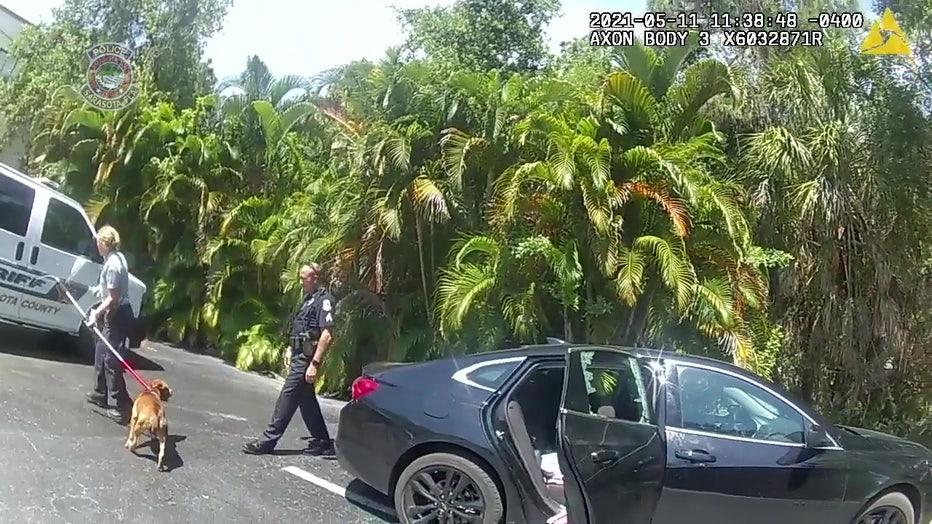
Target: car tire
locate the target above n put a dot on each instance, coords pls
(482, 485)
(894, 500)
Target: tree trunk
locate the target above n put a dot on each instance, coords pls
(567, 327)
(420, 251)
(587, 318)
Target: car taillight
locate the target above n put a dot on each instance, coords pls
(362, 386)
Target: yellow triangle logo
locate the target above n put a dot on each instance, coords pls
(895, 42)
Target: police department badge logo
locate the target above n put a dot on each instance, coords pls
(110, 84)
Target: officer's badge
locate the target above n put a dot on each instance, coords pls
(327, 306)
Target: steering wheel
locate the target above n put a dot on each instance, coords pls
(766, 432)
(741, 421)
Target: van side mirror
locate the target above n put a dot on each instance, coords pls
(816, 437)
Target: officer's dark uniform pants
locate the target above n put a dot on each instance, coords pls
(297, 394)
(107, 367)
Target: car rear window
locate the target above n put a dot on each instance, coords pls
(493, 375)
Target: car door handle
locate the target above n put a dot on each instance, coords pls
(695, 455)
(35, 255)
(603, 456)
(19, 250)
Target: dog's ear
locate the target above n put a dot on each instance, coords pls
(165, 392)
(161, 388)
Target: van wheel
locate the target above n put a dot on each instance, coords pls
(892, 508)
(442, 485)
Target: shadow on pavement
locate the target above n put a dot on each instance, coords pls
(371, 501)
(141, 363)
(173, 459)
(58, 347)
(287, 452)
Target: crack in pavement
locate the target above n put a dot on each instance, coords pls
(34, 448)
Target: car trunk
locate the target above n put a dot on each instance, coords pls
(375, 369)
(385, 372)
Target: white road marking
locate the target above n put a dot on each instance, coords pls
(210, 413)
(317, 481)
(353, 497)
(227, 415)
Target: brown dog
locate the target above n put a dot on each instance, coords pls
(149, 417)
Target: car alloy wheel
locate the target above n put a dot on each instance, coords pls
(891, 508)
(447, 488)
(443, 494)
(884, 515)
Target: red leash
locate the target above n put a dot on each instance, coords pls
(103, 339)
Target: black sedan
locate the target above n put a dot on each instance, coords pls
(610, 435)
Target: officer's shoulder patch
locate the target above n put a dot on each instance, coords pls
(327, 306)
(329, 317)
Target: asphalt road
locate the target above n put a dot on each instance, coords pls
(62, 461)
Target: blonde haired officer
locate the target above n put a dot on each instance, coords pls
(114, 316)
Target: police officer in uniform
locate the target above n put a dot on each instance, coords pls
(310, 338)
(114, 315)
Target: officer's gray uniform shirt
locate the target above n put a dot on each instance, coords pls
(114, 275)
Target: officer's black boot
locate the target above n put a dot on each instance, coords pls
(258, 447)
(319, 448)
(98, 399)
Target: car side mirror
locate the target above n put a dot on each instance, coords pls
(816, 436)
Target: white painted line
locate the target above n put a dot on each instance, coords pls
(317, 481)
(364, 501)
(227, 416)
(210, 413)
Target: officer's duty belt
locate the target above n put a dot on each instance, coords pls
(305, 343)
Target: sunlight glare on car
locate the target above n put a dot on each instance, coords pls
(659, 372)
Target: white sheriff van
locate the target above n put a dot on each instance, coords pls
(43, 232)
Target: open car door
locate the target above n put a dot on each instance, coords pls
(612, 452)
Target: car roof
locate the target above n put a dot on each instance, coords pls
(559, 349)
(36, 184)
(556, 350)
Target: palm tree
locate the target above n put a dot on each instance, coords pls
(260, 109)
(827, 176)
(629, 174)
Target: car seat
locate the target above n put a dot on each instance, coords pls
(625, 400)
(530, 458)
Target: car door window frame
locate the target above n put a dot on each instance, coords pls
(463, 375)
(57, 202)
(606, 459)
(675, 424)
(26, 189)
(636, 365)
